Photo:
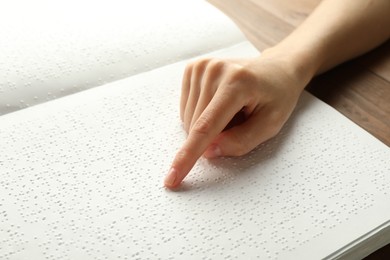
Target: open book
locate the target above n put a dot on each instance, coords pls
(81, 177)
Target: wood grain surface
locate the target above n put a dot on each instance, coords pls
(359, 89)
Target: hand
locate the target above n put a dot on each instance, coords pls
(265, 89)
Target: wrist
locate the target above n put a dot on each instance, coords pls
(300, 65)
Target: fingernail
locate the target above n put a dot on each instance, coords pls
(171, 177)
(213, 152)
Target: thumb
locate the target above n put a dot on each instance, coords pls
(242, 139)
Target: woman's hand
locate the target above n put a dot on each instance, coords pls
(265, 89)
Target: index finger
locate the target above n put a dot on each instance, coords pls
(221, 109)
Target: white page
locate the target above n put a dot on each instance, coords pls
(54, 48)
(81, 178)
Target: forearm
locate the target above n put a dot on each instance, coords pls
(336, 31)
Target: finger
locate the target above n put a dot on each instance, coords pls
(243, 138)
(212, 121)
(196, 78)
(185, 90)
(209, 84)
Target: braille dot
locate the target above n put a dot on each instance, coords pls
(83, 175)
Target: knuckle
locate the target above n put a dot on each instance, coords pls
(181, 158)
(241, 73)
(241, 79)
(189, 67)
(204, 60)
(196, 65)
(182, 154)
(215, 64)
(200, 64)
(212, 72)
(201, 127)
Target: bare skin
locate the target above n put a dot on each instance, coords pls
(267, 88)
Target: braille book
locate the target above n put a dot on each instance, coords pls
(81, 177)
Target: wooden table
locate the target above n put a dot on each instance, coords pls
(359, 89)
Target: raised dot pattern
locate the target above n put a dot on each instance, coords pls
(52, 49)
(81, 177)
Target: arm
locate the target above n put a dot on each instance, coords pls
(267, 88)
(337, 31)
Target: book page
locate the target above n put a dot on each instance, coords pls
(50, 49)
(81, 177)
